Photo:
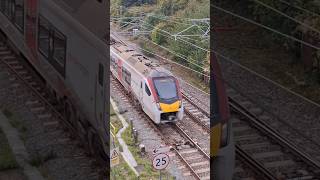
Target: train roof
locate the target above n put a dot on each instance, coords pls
(84, 10)
(139, 62)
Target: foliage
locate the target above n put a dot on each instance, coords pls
(271, 18)
(7, 158)
(169, 7)
(156, 35)
(169, 17)
(128, 3)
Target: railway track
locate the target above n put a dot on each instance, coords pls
(193, 109)
(268, 153)
(195, 159)
(260, 148)
(27, 85)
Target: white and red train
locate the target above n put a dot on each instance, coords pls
(152, 87)
(59, 39)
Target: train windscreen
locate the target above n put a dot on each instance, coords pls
(165, 88)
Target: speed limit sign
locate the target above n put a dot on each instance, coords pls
(160, 161)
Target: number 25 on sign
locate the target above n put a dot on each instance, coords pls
(160, 161)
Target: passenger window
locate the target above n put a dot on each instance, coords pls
(147, 90)
(101, 74)
(126, 76)
(43, 36)
(52, 44)
(18, 14)
(59, 48)
(14, 10)
(7, 8)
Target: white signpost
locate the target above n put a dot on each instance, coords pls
(160, 161)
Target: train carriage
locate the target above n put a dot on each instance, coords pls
(62, 43)
(222, 148)
(155, 89)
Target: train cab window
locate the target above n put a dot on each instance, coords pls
(43, 36)
(147, 89)
(101, 74)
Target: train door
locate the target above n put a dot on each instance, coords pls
(147, 100)
(100, 98)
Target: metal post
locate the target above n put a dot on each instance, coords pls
(131, 124)
(160, 175)
(135, 135)
(120, 11)
(132, 132)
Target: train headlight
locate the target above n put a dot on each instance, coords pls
(224, 134)
(158, 106)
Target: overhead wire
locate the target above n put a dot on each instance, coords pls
(287, 16)
(176, 54)
(300, 8)
(265, 27)
(173, 61)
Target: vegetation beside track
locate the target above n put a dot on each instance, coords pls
(171, 16)
(123, 171)
(271, 55)
(7, 159)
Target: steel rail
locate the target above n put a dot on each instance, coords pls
(52, 109)
(282, 141)
(193, 142)
(119, 85)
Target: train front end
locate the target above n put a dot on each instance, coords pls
(168, 99)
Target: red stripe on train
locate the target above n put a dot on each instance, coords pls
(155, 96)
(178, 89)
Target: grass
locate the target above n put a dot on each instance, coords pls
(7, 159)
(114, 121)
(123, 171)
(14, 121)
(281, 67)
(37, 160)
(147, 171)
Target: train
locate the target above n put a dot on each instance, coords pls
(152, 88)
(222, 146)
(68, 50)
